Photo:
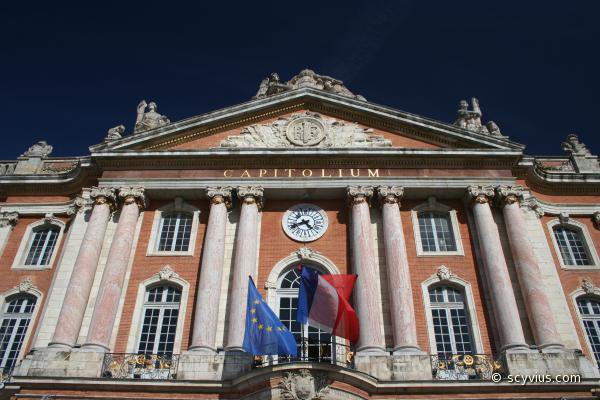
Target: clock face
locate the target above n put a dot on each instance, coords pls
(305, 222)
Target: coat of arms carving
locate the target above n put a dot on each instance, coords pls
(304, 386)
(306, 130)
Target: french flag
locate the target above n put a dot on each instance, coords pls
(323, 303)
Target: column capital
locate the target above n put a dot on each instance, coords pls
(104, 195)
(251, 195)
(390, 194)
(219, 195)
(480, 193)
(8, 218)
(132, 195)
(509, 194)
(359, 194)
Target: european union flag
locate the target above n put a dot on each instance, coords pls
(265, 333)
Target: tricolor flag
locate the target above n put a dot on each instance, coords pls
(323, 303)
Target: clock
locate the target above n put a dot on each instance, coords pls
(305, 222)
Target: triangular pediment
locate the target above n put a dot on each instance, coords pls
(306, 118)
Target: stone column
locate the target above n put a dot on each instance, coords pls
(211, 271)
(398, 274)
(244, 264)
(533, 289)
(111, 286)
(496, 271)
(84, 270)
(371, 339)
(7, 222)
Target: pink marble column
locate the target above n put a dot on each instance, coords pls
(371, 339)
(111, 286)
(539, 311)
(84, 271)
(209, 285)
(496, 272)
(244, 264)
(398, 274)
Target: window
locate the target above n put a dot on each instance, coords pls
(571, 245)
(436, 232)
(16, 317)
(589, 311)
(313, 344)
(450, 321)
(159, 320)
(175, 232)
(41, 247)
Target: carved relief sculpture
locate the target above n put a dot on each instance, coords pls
(150, 119)
(471, 119)
(115, 133)
(303, 385)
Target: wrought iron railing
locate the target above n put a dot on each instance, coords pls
(317, 352)
(460, 367)
(5, 374)
(140, 366)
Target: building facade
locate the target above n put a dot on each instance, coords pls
(125, 271)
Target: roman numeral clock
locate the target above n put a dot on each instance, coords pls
(305, 222)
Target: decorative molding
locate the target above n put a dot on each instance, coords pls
(444, 274)
(79, 204)
(251, 195)
(481, 193)
(564, 217)
(359, 194)
(132, 195)
(305, 129)
(40, 149)
(596, 219)
(306, 253)
(304, 385)
(532, 204)
(218, 195)
(390, 194)
(509, 194)
(589, 288)
(166, 273)
(8, 218)
(104, 195)
(25, 285)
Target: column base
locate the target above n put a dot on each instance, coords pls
(371, 350)
(93, 347)
(202, 350)
(552, 363)
(517, 348)
(552, 348)
(58, 345)
(54, 362)
(214, 367)
(397, 367)
(407, 350)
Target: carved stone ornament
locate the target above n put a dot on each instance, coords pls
(306, 253)
(390, 194)
(359, 194)
(104, 195)
(79, 204)
(443, 273)
(509, 194)
(25, 285)
(563, 217)
(131, 195)
(532, 204)
(115, 133)
(480, 194)
(306, 129)
(8, 218)
(589, 288)
(304, 385)
(150, 119)
(251, 195)
(574, 147)
(306, 78)
(596, 219)
(40, 149)
(166, 273)
(218, 195)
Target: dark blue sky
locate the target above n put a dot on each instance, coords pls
(70, 72)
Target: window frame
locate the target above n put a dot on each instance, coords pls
(177, 206)
(584, 236)
(432, 205)
(583, 327)
(446, 306)
(161, 306)
(27, 241)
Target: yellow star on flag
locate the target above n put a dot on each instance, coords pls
(253, 310)
(269, 329)
(260, 326)
(256, 301)
(254, 320)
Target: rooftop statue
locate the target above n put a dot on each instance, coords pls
(574, 147)
(150, 119)
(306, 78)
(471, 119)
(115, 133)
(40, 149)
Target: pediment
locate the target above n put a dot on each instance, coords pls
(306, 118)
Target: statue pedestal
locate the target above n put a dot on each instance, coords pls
(53, 362)
(397, 367)
(213, 367)
(550, 363)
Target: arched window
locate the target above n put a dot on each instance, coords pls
(41, 245)
(572, 246)
(175, 232)
(159, 320)
(313, 344)
(451, 324)
(16, 318)
(436, 232)
(589, 311)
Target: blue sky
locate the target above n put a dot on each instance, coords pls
(70, 71)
